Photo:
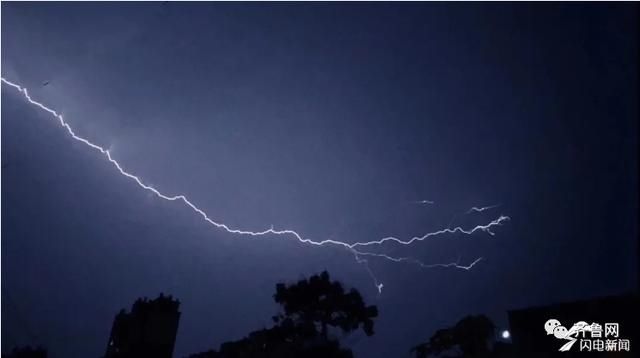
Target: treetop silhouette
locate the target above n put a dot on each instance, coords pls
(310, 308)
(322, 302)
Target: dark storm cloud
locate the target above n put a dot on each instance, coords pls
(327, 119)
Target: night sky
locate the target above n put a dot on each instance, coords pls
(328, 119)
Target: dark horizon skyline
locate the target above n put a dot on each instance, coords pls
(338, 121)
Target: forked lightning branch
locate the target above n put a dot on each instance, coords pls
(353, 248)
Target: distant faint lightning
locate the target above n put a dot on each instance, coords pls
(481, 209)
(420, 263)
(272, 231)
(424, 202)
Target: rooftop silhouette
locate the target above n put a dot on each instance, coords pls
(149, 330)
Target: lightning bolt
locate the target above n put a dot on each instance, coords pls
(424, 202)
(272, 231)
(455, 264)
(481, 209)
(486, 228)
(474, 209)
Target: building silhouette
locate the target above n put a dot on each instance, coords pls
(530, 339)
(149, 330)
(27, 352)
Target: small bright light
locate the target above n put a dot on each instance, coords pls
(506, 334)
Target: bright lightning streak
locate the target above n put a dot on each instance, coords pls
(272, 231)
(424, 202)
(486, 228)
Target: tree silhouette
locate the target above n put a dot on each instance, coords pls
(310, 307)
(324, 303)
(472, 336)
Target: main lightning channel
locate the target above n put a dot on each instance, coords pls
(271, 231)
